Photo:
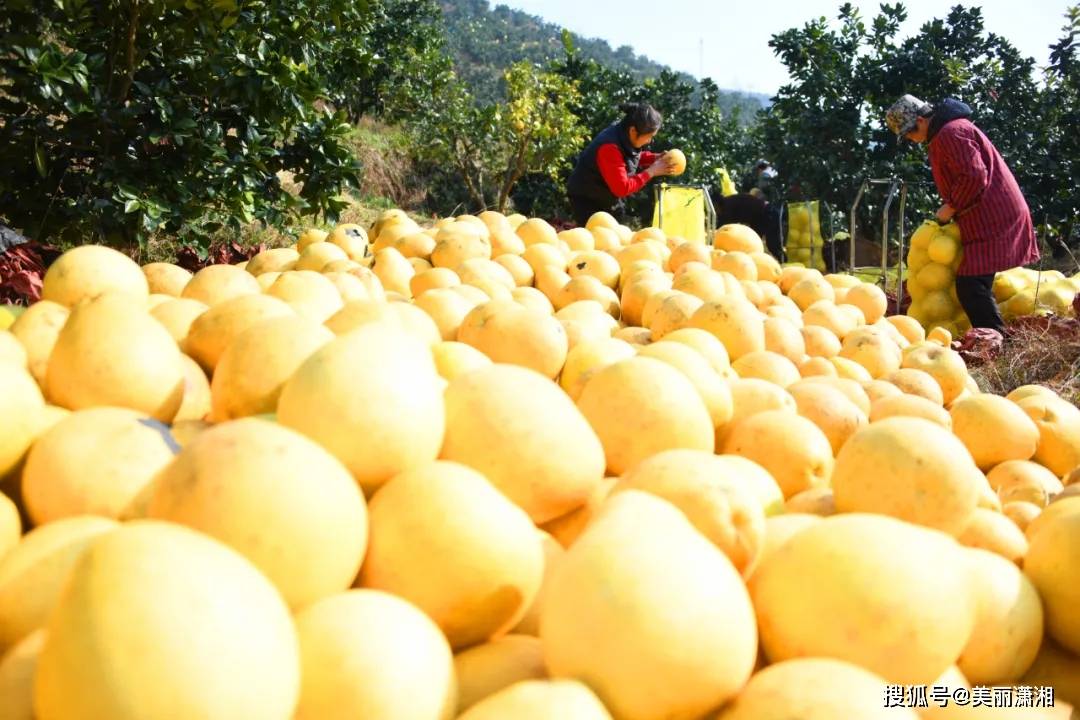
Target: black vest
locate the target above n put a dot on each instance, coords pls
(586, 180)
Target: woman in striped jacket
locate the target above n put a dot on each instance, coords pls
(979, 192)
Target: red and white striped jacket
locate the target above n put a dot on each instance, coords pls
(995, 223)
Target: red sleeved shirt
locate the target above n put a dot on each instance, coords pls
(609, 159)
(996, 228)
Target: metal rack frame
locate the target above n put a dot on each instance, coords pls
(897, 187)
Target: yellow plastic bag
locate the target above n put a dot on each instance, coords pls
(683, 212)
(727, 187)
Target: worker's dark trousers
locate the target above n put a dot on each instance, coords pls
(583, 208)
(976, 294)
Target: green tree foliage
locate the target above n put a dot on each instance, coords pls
(491, 147)
(126, 117)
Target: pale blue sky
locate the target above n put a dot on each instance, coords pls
(736, 34)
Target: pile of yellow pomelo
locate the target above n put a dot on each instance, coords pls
(487, 470)
(804, 239)
(1023, 291)
(932, 260)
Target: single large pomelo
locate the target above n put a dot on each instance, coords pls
(829, 409)
(111, 353)
(373, 398)
(406, 316)
(254, 367)
(944, 365)
(814, 689)
(641, 406)
(649, 613)
(519, 336)
(273, 260)
(37, 330)
(540, 700)
(308, 293)
(166, 278)
(216, 283)
(443, 538)
(1053, 564)
(1008, 622)
(991, 530)
(1059, 432)
(212, 331)
(889, 596)
(994, 430)
(735, 322)
(368, 654)
(723, 509)
(274, 496)
(88, 271)
(187, 628)
(17, 669)
(94, 462)
(790, 447)
(177, 315)
(910, 469)
(503, 418)
(21, 410)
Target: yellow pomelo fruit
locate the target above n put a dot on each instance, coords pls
(735, 322)
(706, 344)
(815, 501)
(785, 338)
(490, 561)
(818, 366)
(314, 235)
(166, 278)
(870, 299)
(368, 654)
(851, 388)
(601, 220)
(212, 331)
(768, 268)
(566, 528)
(518, 268)
(597, 264)
(794, 451)
(739, 264)
(273, 260)
(667, 409)
(308, 293)
(909, 327)
(275, 497)
(1008, 621)
(935, 277)
(820, 341)
(728, 513)
(553, 552)
(177, 316)
(204, 636)
(782, 527)
(10, 524)
(710, 386)
(486, 669)
(1024, 481)
(528, 297)
(535, 231)
(864, 568)
(908, 468)
(111, 353)
(926, 232)
(519, 336)
(830, 410)
(910, 406)
(414, 245)
(393, 270)
(992, 531)
(847, 369)
(943, 249)
(832, 317)
(446, 308)
(994, 429)
(22, 409)
(750, 396)
(1059, 432)
(216, 283)
(353, 241)
(917, 382)
(376, 383)
(433, 278)
(737, 237)
(767, 365)
(503, 418)
(677, 161)
(456, 244)
(404, 316)
(1021, 512)
(874, 351)
(880, 389)
(540, 699)
(587, 357)
(197, 402)
(1053, 564)
(813, 689)
(810, 290)
(1026, 391)
(1058, 668)
(34, 572)
(494, 220)
(636, 336)
(689, 252)
(454, 358)
(37, 330)
(586, 287)
(86, 272)
(943, 364)
(94, 462)
(17, 668)
(601, 621)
